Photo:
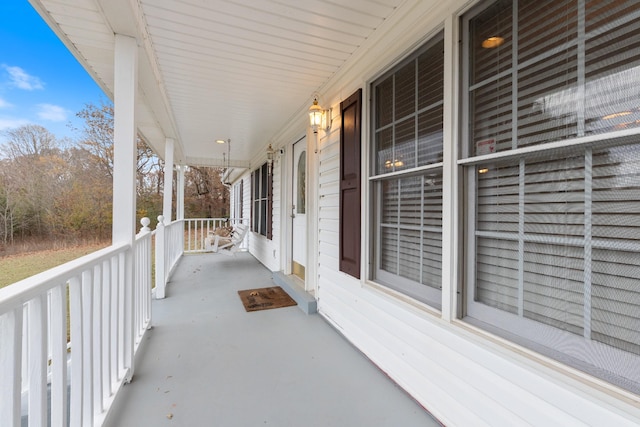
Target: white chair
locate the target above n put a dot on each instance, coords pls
(231, 244)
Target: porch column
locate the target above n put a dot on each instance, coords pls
(124, 136)
(168, 179)
(124, 172)
(180, 194)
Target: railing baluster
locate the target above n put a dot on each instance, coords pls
(77, 350)
(96, 306)
(87, 347)
(11, 366)
(115, 298)
(106, 330)
(59, 353)
(38, 361)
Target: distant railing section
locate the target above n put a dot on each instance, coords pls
(74, 329)
(169, 247)
(180, 237)
(196, 231)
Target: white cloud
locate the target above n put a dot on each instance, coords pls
(20, 79)
(53, 113)
(11, 123)
(5, 104)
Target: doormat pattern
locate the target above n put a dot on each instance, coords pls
(265, 298)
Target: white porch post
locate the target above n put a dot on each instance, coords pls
(180, 194)
(168, 179)
(124, 171)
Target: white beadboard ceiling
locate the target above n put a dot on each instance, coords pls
(219, 69)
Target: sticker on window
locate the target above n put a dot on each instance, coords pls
(486, 146)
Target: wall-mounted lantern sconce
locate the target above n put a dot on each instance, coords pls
(318, 117)
(270, 154)
(315, 115)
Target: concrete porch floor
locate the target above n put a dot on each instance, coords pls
(207, 362)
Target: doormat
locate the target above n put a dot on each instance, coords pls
(265, 298)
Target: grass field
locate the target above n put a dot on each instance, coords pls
(14, 268)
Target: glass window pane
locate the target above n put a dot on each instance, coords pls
(491, 124)
(263, 217)
(389, 250)
(431, 76)
(301, 204)
(432, 202)
(554, 285)
(616, 299)
(384, 103)
(612, 78)
(411, 201)
(263, 181)
(405, 91)
(497, 273)
(432, 259)
(384, 150)
(430, 137)
(405, 145)
(545, 25)
(548, 99)
(410, 255)
(390, 202)
(498, 198)
(554, 197)
(493, 29)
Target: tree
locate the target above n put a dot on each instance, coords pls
(205, 194)
(31, 177)
(29, 142)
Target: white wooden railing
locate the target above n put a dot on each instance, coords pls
(74, 328)
(183, 236)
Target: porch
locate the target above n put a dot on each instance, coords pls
(208, 362)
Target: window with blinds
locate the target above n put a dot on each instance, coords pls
(238, 196)
(261, 201)
(407, 120)
(553, 179)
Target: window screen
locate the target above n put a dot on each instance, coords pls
(407, 177)
(553, 105)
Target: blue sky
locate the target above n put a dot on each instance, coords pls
(40, 81)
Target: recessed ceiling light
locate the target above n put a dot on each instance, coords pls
(220, 141)
(492, 42)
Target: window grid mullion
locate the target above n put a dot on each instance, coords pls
(581, 83)
(421, 263)
(514, 78)
(415, 113)
(588, 245)
(398, 226)
(521, 213)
